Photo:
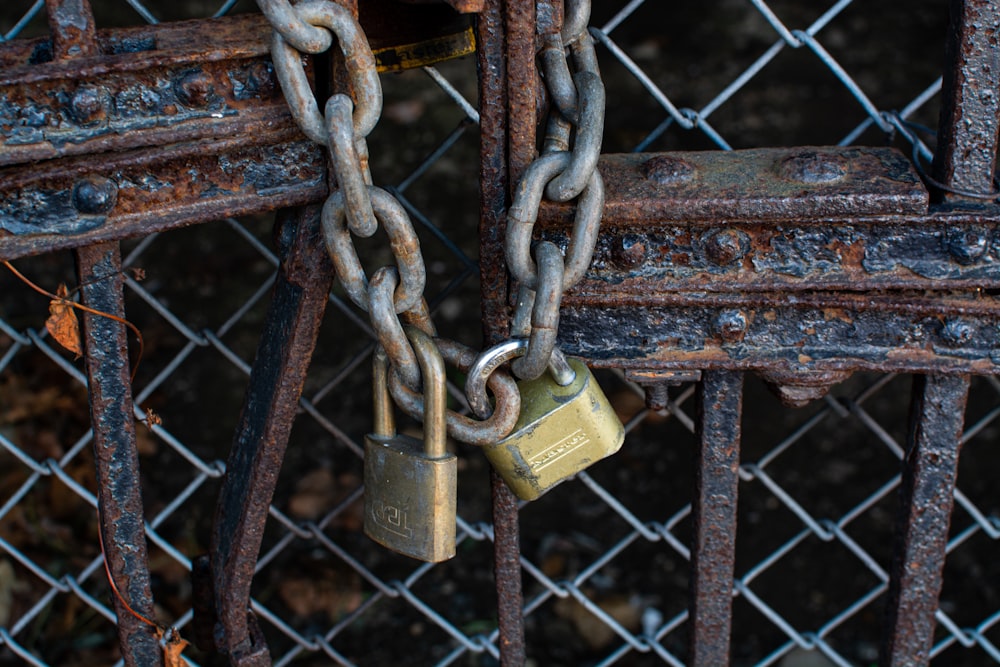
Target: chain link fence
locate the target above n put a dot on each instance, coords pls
(605, 557)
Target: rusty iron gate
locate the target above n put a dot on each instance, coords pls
(813, 269)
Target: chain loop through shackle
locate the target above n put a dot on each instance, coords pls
(566, 169)
(394, 294)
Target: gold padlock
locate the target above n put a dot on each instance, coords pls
(411, 487)
(566, 422)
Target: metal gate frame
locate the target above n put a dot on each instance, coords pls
(962, 178)
(506, 36)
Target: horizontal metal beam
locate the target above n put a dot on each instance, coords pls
(151, 86)
(786, 332)
(735, 221)
(78, 201)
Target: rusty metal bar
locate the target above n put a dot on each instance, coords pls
(902, 332)
(522, 86)
(279, 370)
(109, 384)
(964, 162)
(713, 552)
(145, 86)
(493, 181)
(72, 202)
(494, 187)
(970, 113)
(74, 33)
(926, 501)
(119, 493)
(161, 126)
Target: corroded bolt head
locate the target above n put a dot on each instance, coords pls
(813, 167)
(731, 325)
(194, 88)
(261, 78)
(89, 104)
(95, 195)
(628, 250)
(668, 170)
(967, 246)
(726, 246)
(956, 332)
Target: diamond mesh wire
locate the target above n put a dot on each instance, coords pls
(605, 556)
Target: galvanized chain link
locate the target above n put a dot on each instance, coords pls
(395, 294)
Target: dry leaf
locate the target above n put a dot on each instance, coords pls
(152, 419)
(172, 649)
(63, 324)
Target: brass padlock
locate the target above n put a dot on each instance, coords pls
(566, 422)
(411, 487)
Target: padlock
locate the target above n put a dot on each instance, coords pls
(566, 422)
(411, 487)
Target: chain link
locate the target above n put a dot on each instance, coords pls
(402, 240)
(395, 294)
(566, 170)
(299, 34)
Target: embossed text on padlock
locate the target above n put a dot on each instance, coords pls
(411, 486)
(562, 428)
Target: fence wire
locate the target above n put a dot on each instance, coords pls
(605, 556)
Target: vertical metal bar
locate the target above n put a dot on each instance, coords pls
(966, 153)
(119, 494)
(522, 86)
(970, 112)
(493, 182)
(494, 187)
(714, 511)
(109, 383)
(74, 34)
(279, 371)
(926, 498)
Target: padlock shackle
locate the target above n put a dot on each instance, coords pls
(385, 422)
(435, 391)
(491, 359)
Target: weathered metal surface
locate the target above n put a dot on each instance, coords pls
(926, 500)
(769, 259)
(807, 332)
(279, 370)
(917, 252)
(969, 120)
(761, 184)
(522, 86)
(109, 386)
(150, 86)
(195, 103)
(713, 547)
(494, 186)
(119, 493)
(76, 201)
(72, 25)
(464, 6)
(741, 227)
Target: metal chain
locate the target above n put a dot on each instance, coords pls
(567, 169)
(395, 294)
